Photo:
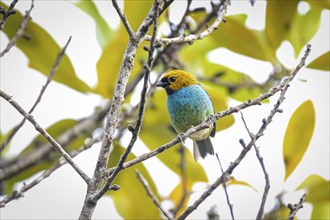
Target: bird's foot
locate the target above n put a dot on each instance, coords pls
(182, 137)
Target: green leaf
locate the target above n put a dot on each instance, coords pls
(41, 50)
(304, 27)
(321, 210)
(177, 194)
(318, 193)
(110, 61)
(235, 36)
(55, 131)
(157, 130)
(298, 135)
(109, 64)
(3, 137)
(318, 189)
(220, 103)
(321, 63)
(323, 4)
(136, 11)
(279, 21)
(232, 77)
(132, 201)
(233, 181)
(103, 31)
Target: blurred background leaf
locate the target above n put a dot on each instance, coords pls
(132, 201)
(252, 45)
(41, 50)
(279, 21)
(321, 63)
(303, 28)
(103, 31)
(55, 131)
(298, 135)
(318, 194)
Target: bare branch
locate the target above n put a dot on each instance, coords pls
(123, 19)
(143, 99)
(192, 37)
(46, 174)
(151, 195)
(295, 208)
(265, 123)
(44, 133)
(95, 188)
(43, 89)
(261, 161)
(20, 31)
(226, 191)
(7, 13)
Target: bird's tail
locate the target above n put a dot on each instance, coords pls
(202, 148)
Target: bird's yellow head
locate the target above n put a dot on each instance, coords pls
(175, 80)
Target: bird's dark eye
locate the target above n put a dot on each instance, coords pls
(172, 79)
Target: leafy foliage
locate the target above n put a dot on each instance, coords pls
(37, 45)
(221, 82)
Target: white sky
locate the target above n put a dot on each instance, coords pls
(62, 195)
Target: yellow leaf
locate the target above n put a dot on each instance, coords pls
(298, 135)
(55, 131)
(304, 27)
(132, 201)
(233, 181)
(136, 11)
(103, 31)
(321, 63)
(177, 195)
(318, 189)
(321, 211)
(219, 100)
(110, 61)
(279, 21)
(232, 77)
(231, 33)
(318, 193)
(41, 50)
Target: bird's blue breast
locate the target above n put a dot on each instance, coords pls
(189, 107)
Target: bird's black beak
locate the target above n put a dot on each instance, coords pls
(163, 83)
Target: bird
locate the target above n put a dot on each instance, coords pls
(188, 105)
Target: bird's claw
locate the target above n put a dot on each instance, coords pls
(181, 136)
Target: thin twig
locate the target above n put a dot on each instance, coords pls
(44, 133)
(43, 89)
(262, 164)
(226, 191)
(7, 13)
(124, 20)
(19, 193)
(20, 31)
(151, 195)
(265, 123)
(295, 208)
(192, 37)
